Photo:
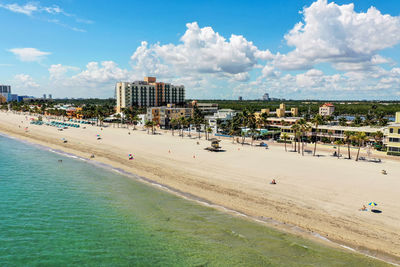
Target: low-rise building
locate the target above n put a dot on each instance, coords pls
(335, 132)
(281, 111)
(258, 114)
(392, 137)
(326, 109)
(205, 108)
(222, 115)
(163, 115)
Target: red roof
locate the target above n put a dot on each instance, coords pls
(328, 105)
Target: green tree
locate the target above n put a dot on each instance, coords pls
(360, 138)
(316, 120)
(339, 143)
(342, 121)
(348, 137)
(285, 136)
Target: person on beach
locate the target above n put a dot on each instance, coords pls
(273, 181)
(364, 208)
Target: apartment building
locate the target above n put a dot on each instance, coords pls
(326, 109)
(222, 115)
(335, 132)
(392, 137)
(147, 93)
(163, 115)
(205, 108)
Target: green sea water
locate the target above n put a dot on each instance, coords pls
(74, 213)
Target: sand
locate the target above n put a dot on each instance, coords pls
(319, 194)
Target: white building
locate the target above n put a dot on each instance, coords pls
(326, 109)
(223, 115)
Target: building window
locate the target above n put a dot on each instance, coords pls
(391, 130)
(394, 149)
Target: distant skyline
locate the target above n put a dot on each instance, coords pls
(218, 49)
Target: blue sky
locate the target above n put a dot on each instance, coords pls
(217, 49)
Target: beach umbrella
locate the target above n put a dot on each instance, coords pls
(373, 204)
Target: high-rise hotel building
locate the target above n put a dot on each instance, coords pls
(148, 93)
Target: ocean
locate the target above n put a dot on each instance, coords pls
(75, 213)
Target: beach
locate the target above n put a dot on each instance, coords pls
(318, 194)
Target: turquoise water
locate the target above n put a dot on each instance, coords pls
(74, 213)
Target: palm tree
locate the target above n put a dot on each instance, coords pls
(189, 122)
(252, 124)
(285, 136)
(348, 138)
(339, 143)
(264, 119)
(342, 121)
(209, 131)
(360, 138)
(173, 124)
(378, 137)
(234, 124)
(304, 128)
(148, 125)
(118, 116)
(182, 122)
(317, 120)
(296, 128)
(135, 119)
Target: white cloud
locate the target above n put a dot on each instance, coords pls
(338, 34)
(106, 72)
(58, 71)
(26, 9)
(24, 84)
(97, 79)
(29, 54)
(202, 50)
(32, 8)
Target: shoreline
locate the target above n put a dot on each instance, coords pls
(222, 193)
(267, 222)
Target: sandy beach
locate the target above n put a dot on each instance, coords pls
(320, 194)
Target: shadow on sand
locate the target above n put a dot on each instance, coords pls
(376, 211)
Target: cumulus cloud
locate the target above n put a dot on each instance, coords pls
(105, 72)
(29, 54)
(24, 84)
(58, 71)
(338, 34)
(201, 50)
(97, 78)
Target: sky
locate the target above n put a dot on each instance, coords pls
(217, 49)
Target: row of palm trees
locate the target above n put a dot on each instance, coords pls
(302, 128)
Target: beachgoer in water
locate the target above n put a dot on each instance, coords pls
(60, 160)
